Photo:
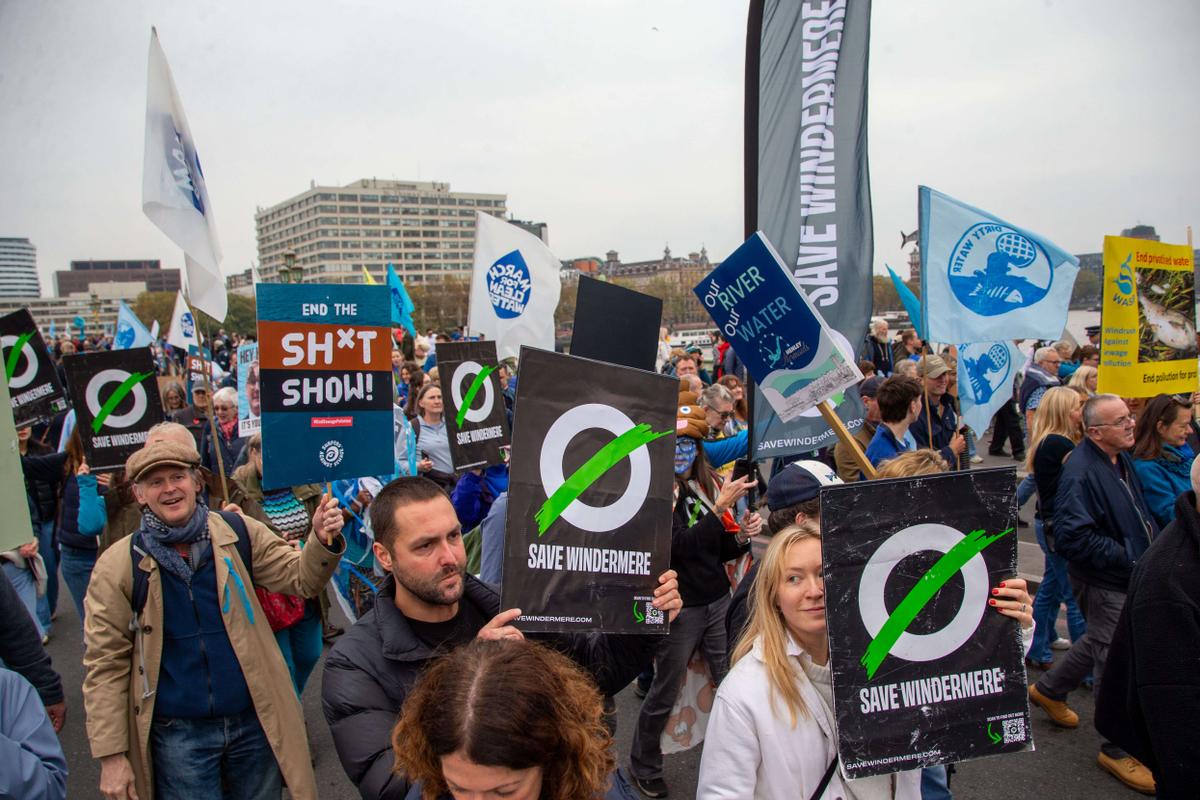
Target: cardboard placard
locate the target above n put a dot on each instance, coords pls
(590, 495)
(249, 390)
(116, 403)
(924, 671)
(616, 325)
(476, 422)
(325, 368)
(34, 389)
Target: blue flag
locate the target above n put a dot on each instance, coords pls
(984, 280)
(911, 304)
(51, 330)
(130, 330)
(78, 322)
(985, 380)
(402, 304)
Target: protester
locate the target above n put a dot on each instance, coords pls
(899, 400)
(705, 534)
(1101, 527)
(740, 417)
(906, 348)
(1088, 356)
(416, 380)
(296, 621)
(228, 444)
(877, 349)
(21, 650)
(32, 764)
(663, 354)
(906, 368)
(1006, 426)
(1040, 376)
(772, 729)
(1057, 429)
(43, 508)
(432, 441)
(174, 398)
(190, 687)
(1150, 698)
(913, 462)
(550, 742)
(1066, 351)
(1086, 377)
(427, 605)
(848, 468)
(936, 425)
(1161, 455)
(687, 364)
(195, 416)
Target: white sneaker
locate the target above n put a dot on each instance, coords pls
(976, 459)
(1060, 644)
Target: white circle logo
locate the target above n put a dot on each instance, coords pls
(331, 453)
(30, 372)
(910, 541)
(91, 396)
(596, 519)
(467, 370)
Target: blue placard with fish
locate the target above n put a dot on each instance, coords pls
(786, 346)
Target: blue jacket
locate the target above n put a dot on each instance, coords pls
(32, 764)
(1101, 523)
(720, 452)
(944, 426)
(884, 446)
(473, 495)
(1164, 479)
(1034, 379)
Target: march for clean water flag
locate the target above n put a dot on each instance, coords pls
(807, 184)
(514, 287)
(35, 391)
(775, 330)
(924, 671)
(130, 330)
(325, 376)
(402, 304)
(590, 495)
(249, 390)
(986, 371)
(116, 403)
(174, 192)
(476, 422)
(985, 280)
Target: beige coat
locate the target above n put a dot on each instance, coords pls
(118, 711)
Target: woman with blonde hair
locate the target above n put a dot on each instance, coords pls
(913, 463)
(1057, 428)
(772, 731)
(1086, 377)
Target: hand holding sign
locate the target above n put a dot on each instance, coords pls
(1011, 598)
(500, 627)
(732, 491)
(666, 596)
(327, 520)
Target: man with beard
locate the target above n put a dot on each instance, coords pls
(428, 606)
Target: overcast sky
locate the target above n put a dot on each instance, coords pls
(617, 122)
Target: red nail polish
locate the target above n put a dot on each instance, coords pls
(991, 602)
(1002, 583)
(996, 591)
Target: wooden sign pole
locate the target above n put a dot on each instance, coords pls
(839, 427)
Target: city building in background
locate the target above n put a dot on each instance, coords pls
(84, 275)
(241, 283)
(669, 278)
(97, 307)
(331, 233)
(18, 269)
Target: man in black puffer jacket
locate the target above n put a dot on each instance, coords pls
(428, 606)
(1150, 696)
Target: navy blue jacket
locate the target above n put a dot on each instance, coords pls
(1101, 523)
(944, 425)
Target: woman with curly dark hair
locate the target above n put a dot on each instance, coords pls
(509, 718)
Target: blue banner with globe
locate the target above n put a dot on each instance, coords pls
(774, 329)
(985, 280)
(986, 371)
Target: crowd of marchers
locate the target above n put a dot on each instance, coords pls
(205, 602)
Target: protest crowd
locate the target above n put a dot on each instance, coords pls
(469, 541)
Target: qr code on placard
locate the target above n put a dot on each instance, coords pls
(1014, 730)
(654, 616)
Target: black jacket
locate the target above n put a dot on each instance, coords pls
(1101, 523)
(374, 665)
(21, 647)
(699, 551)
(1150, 695)
(944, 427)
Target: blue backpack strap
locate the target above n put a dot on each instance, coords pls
(235, 521)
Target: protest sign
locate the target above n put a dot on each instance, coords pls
(325, 370)
(1149, 319)
(195, 370)
(34, 388)
(924, 671)
(774, 329)
(476, 422)
(17, 528)
(116, 403)
(249, 393)
(616, 325)
(589, 497)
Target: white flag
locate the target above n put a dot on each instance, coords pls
(182, 333)
(174, 195)
(514, 287)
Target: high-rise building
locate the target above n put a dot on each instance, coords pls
(18, 268)
(425, 230)
(84, 274)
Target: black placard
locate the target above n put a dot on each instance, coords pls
(951, 687)
(616, 325)
(478, 432)
(591, 563)
(32, 379)
(111, 435)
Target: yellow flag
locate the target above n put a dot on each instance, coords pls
(367, 279)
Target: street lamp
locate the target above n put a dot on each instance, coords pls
(289, 272)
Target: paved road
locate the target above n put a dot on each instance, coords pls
(1063, 765)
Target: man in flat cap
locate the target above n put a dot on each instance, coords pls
(186, 689)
